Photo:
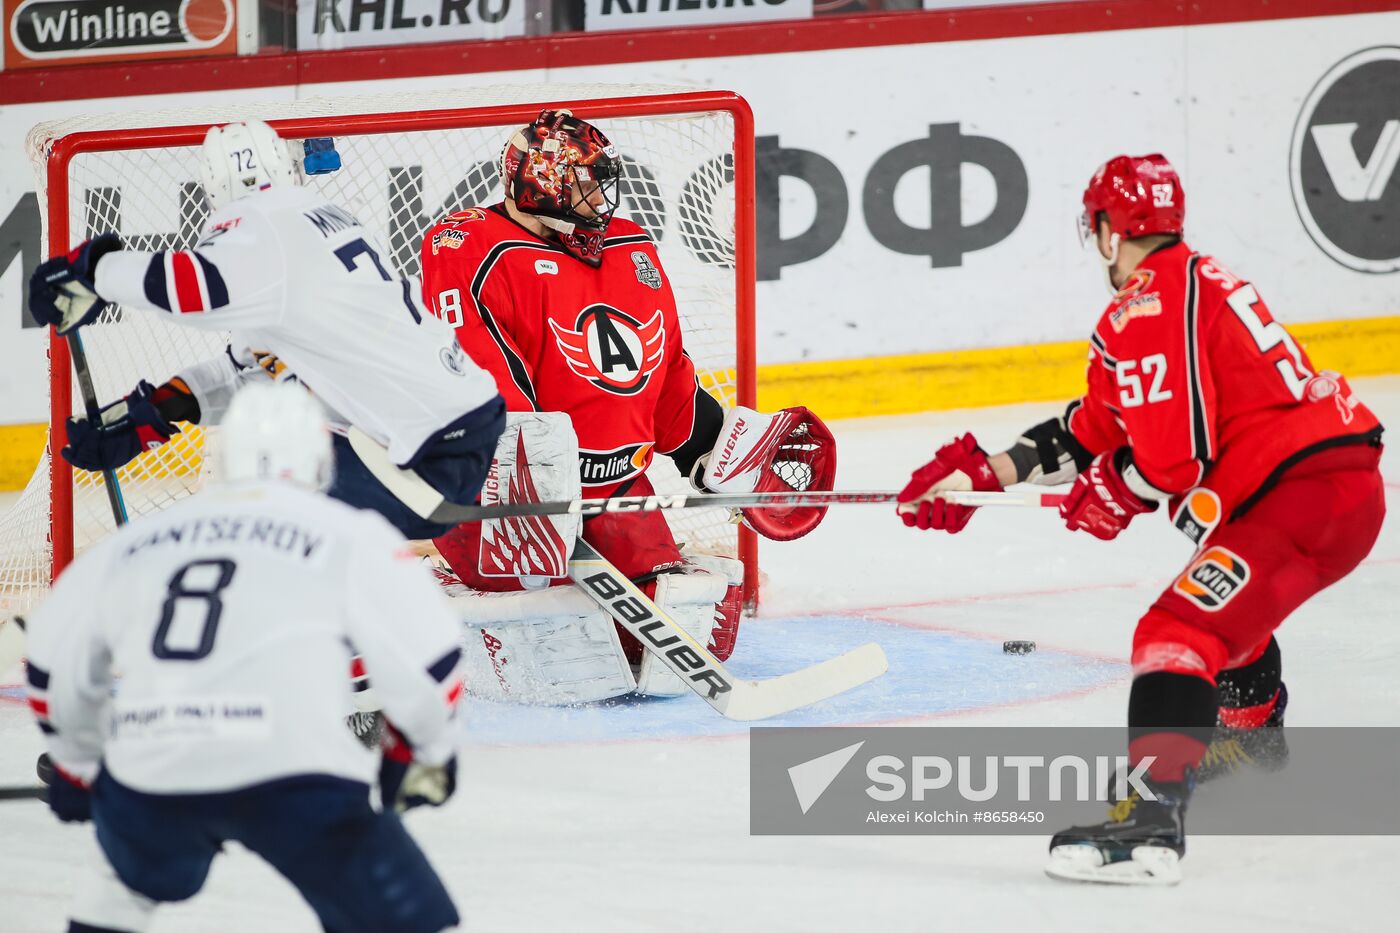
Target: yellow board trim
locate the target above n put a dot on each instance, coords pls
(20, 448)
(897, 385)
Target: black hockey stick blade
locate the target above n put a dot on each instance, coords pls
(94, 414)
(35, 792)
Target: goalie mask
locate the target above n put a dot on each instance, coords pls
(563, 172)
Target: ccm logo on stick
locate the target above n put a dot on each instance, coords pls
(650, 503)
(689, 662)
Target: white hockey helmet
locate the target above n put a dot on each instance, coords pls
(275, 431)
(240, 158)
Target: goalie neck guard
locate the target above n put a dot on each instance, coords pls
(564, 172)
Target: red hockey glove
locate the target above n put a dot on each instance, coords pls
(959, 464)
(1100, 501)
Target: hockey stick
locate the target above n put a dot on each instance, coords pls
(427, 502)
(35, 792)
(11, 642)
(741, 700)
(109, 477)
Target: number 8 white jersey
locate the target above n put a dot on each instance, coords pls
(208, 647)
(290, 274)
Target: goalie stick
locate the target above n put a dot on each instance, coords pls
(731, 697)
(427, 502)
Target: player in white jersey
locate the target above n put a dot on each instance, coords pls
(306, 293)
(230, 617)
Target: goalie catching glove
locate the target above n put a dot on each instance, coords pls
(790, 451)
(129, 426)
(63, 291)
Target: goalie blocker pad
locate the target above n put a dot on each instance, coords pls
(556, 647)
(536, 461)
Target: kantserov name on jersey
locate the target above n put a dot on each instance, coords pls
(235, 529)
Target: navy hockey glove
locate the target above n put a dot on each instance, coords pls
(405, 783)
(69, 798)
(129, 427)
(63, 291)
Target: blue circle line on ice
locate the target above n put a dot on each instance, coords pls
(933, 672)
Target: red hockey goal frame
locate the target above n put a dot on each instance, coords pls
(66, 148)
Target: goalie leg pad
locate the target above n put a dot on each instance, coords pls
(690, 597)
(728, 611)
(547, 647)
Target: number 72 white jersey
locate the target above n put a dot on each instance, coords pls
(293, 275)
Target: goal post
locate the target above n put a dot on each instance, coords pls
(409, 158)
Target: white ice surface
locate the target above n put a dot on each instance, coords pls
(636, 819)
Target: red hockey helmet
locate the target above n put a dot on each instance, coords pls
(550, 169)
(1140, 194)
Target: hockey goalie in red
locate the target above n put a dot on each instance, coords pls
(1197, 399)
(569, 307)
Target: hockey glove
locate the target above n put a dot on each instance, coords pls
(69, 798)
(128, 427)
(959, 465)
(63, 291)
(1100, 501)
(791, 451)
(405, 783)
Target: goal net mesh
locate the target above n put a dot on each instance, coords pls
(398, 178)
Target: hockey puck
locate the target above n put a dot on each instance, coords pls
(1018, 647)
(44, 768)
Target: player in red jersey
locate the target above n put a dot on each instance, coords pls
(568, 306)
(1199, 399)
